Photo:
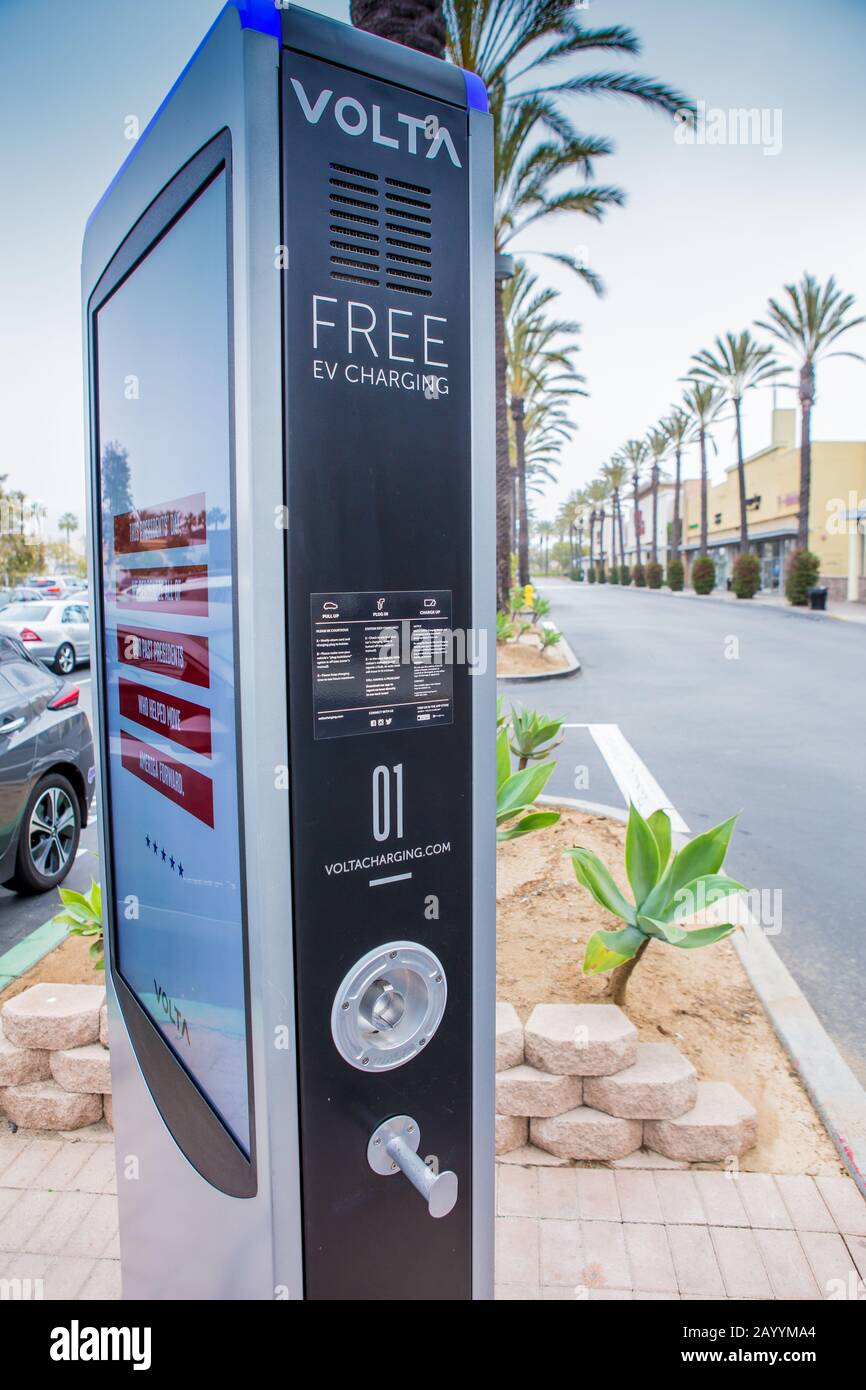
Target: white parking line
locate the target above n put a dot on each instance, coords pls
(631, 775)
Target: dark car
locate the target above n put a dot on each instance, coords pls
(47, 771)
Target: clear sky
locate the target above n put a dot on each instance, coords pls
(708, 232)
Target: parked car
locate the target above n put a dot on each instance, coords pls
(49, 585)
(47, 771)
(58, 633)
(23, 594)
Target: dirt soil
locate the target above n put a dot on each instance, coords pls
(700, 1000)
(525, 657)
(67, 964)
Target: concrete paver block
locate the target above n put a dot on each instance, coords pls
(846, 1205)
(103, 1025)
(697, 1269)
(509, 1037)
(84, 1069)
(53, 1016)
(45, 1105)
(740, 1262)
(511, 1132)
(580, 1039)
(523, 1090)
(586, 1133)
(517, 1192)
(660, 1085)
(21, 1064)
(721, 1123)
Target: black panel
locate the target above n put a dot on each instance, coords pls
(378, 491)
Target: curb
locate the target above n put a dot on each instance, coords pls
(30, 950)
(752, 606)
(572, 669)
(830, 1083)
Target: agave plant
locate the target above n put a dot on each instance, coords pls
(666, 891)
(517, 792)
(533, 735)
(504, 628)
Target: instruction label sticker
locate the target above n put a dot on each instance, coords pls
(382, 660)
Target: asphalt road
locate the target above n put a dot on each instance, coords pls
(21, 915)
(736, 707)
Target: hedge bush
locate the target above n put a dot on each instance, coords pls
(602, 577)
(624, 574)
(704, 575)
(577, 575)
(654, 575)
(676, 575)
(803, 571)
(613, 577)
(638, 574)
(747, 575)
(591, 574)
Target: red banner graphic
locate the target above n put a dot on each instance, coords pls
(177, 654)
(162, 527)
(164, 589)
(180, 720)
(190, 790)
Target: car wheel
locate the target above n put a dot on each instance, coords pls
(64, 659)
(49, 835)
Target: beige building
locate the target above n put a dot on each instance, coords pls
(837, 529)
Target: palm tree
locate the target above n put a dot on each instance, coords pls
(703, 402)
(537, 367)
(616, 475)
(738, 365)
(658, 443)
(680, 431)
(68, 523)
(635, 454)
(415, 23)
(544, 530)
(806, 323)
(508, 42)
(597, 494)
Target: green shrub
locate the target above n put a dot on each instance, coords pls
(82, 916)
(638, 574)
(676, 576)
(576, 575)
(602, 575)
(504, 628)
(624, 575)
(654, 575)
(747, 575)
(613, 577)
(592, 576)
(803, 571)
(704, 575)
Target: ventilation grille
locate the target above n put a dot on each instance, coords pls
(380, 231)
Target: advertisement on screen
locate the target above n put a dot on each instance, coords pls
(169, 651)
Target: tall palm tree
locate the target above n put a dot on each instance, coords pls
(635, 454)
(616, 475)
(679, 426)
(658, 444)
(415, 23)
(597, 493)
(703, 402)
(68, 523)
(511, 44)
(544, 530)
(538, 365)
(739, 364)
(806, 322)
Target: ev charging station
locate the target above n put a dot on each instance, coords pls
(288, 315)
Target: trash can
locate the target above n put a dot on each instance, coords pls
(818, 597)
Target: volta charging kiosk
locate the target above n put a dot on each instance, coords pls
(288, 338)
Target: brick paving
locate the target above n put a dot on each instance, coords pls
(58, 1215)
(599, 1234)
(562, 1233)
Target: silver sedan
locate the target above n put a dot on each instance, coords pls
(58, 633)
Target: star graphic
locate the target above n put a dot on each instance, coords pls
(163, 856)
(171, 861)
(147, 841)
(180, 870)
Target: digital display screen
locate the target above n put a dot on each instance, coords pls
(169, 650)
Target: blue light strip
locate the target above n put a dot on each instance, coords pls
(476, 92)
(261, 15)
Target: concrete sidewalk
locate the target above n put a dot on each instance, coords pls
(839, 609)
(562, 1233)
